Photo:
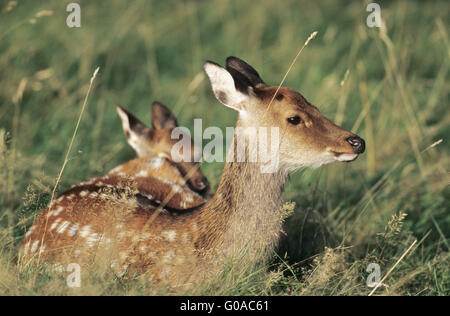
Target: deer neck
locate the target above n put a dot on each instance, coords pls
(244, 214)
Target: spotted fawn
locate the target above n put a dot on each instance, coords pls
(150, 179)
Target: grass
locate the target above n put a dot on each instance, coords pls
(390, 86)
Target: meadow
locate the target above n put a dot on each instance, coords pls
(389, 85)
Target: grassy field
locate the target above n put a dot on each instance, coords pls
(389, 85)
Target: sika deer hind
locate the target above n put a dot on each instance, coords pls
(243, 217)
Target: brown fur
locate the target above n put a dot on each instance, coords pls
(181, 248)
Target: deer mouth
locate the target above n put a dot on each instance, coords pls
(345, 157)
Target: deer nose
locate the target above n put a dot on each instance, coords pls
(357, 143)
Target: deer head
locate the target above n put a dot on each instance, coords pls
(307, 138)
(157, 142)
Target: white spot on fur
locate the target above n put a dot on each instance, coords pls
(84, 193)
(156, 162)
(73, 230)
(77, 252)
(148, 196)
(42, 249)
(55, 223)
(142, 174)
(26, 248)
(30, 231)
(116, 169)
(177, 189)
(92, 180)
(58, 211)
(93, 239)
(34, 246)
(189, 198)
(85, 231)
(121, 272)
(93, 195)
(63, 227)
(170, 235)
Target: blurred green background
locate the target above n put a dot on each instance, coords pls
(389, 85)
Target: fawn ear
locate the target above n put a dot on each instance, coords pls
(239, 68)
(232, 92)
(133, 129)
(162, 117)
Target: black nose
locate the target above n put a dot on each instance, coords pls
(357, 143)
(201, 184)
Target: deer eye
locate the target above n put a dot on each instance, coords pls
(295, 120)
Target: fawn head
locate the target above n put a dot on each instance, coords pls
(307, 138)
(157, 142)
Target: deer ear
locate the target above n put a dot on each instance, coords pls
(162, 117)
(225, 87)
(133, 128)
(237, 66)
